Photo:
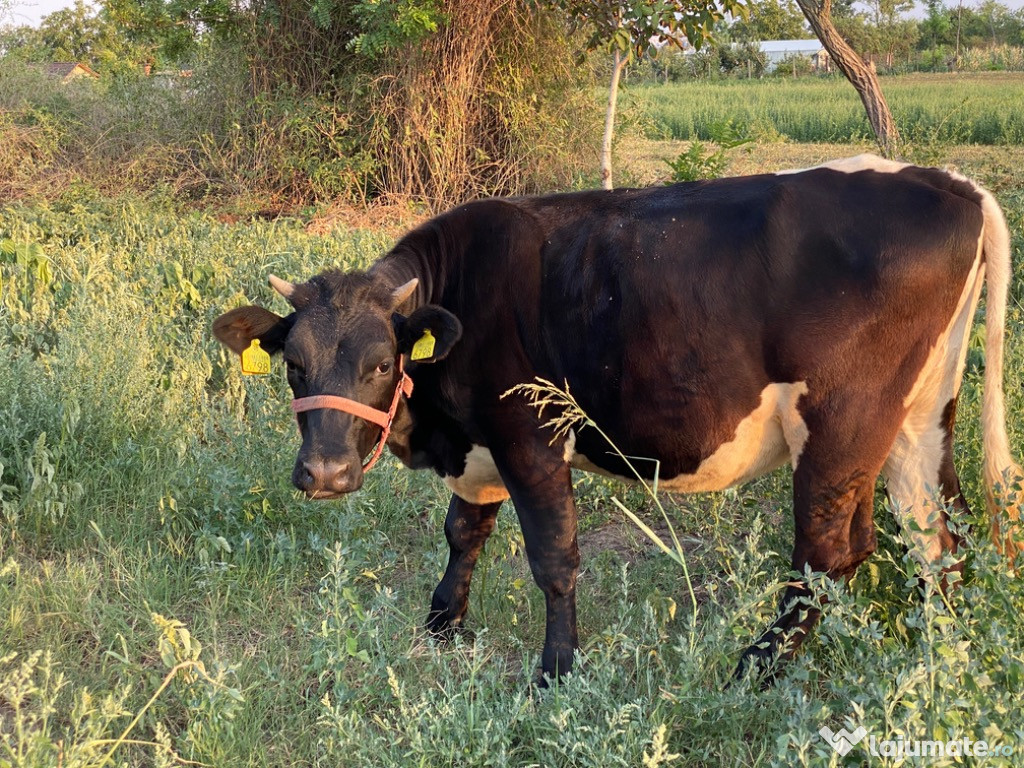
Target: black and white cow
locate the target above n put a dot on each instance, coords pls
(818, 318)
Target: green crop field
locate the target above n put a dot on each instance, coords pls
(964, 109)
(161, 581)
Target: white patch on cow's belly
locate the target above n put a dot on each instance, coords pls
(774, 432)
(480, 483)
(865, 162)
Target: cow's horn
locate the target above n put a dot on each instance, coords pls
(403, 292)
(283, 287)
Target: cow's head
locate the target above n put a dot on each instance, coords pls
(343, 338)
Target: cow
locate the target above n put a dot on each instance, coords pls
(721, 329)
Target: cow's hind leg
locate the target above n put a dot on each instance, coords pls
(922, 483)
(919, 472)
(834, 534)
(466, 527)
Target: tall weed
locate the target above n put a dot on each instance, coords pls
(975, 109)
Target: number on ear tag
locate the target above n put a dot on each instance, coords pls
(255, 360)
(424, 348)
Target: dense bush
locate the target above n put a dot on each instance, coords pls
(793, 65)
(115, 135)
(296, 110)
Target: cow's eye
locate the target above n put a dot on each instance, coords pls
(294, 370)
(384, 367)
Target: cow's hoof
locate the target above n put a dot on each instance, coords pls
(760, 665)
(545, 680)
(443, 627)
(440, 627)
(541, 681)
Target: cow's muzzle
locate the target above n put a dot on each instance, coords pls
(384, 419)
(320, 479)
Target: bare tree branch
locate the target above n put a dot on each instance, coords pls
(860, 74)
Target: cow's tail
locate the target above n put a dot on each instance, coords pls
(1004, 479)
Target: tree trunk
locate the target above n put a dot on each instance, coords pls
(860, 75)
(959, 15)
(618, 62)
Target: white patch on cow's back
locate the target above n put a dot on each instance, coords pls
(768, 436)
(864, 162)
(480, 483)
(915, 460)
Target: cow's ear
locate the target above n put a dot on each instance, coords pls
(444, 327)
(236, 329)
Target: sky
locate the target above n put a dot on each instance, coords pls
(31, 11)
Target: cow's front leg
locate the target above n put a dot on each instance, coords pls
(542, 493)
(466, 527)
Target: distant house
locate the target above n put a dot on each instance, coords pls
(171, 78)
(777, 50)
(66, 71)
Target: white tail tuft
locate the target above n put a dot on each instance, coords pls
(1004, 479)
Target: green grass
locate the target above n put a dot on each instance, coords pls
(145, 481)
(968, 108)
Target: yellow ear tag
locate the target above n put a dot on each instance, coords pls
(255, 361)
(424, 348)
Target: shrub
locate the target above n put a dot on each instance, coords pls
(793, 65)
(996, 58)
(486, 100)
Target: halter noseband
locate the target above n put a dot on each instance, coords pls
(382, 419)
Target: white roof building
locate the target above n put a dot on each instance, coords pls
(777, 50)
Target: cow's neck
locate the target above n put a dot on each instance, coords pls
(427, 255)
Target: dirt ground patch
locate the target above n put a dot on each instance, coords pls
(392, 217)
(628, 542)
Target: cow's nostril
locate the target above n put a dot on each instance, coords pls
(336, 477)
(320, 477)
(310, 476)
